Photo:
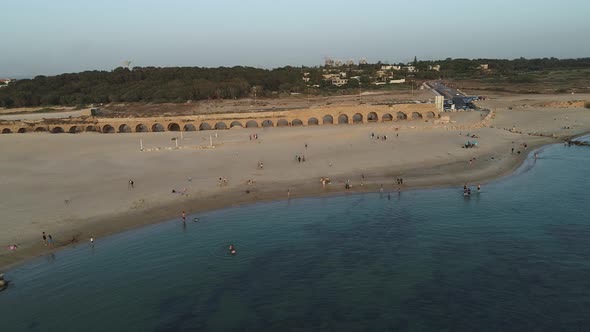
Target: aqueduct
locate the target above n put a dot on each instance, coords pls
(327, 115)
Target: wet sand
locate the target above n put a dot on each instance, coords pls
(76, 186)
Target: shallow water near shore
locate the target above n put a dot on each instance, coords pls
(515, 256)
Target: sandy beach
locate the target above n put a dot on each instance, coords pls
(77, 186)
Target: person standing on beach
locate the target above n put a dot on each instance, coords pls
(183, 216)
(131, 184)
(44, 239)
(49, 241)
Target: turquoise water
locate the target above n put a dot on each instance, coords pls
(514, 257)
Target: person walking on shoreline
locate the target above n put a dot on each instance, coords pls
(44, 239)
(49, 241)
(183, 216)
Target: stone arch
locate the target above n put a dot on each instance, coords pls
(342, 119)
(124, 128)
(173, 126)
(297, 122)
(40, 129)
(220, 125)
(157, 127)
(90, 128)
(75, 130)
(357, 118)
(402, 116)
(108, 129)
(6, 131)
(205, 126)
(189, 127)
(236, 124)
(267, 123)
(251, 124)
(372, 117)
(430, 115)
(328, 119)
(416, 115)
(141, 128)
(57, 130)
(386, 117)
(313, 122)
(282, 123)
(22, 130)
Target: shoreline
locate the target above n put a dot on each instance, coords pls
(104, 226)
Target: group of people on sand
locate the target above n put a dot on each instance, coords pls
(379, 137)
(300, 159)
(253, 136)
(222, 182)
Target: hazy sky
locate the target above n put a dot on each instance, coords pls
(57, 36)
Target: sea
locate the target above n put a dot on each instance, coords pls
(513, 257)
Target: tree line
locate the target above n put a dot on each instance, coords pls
(180, 84)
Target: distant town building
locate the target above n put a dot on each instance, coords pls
(350, 62)
(410, 69)
(306, 77)
(390, 67)
(338, 63)
(401, 80)
(328, 62)
(5, 81)
(363, 61)
(483, 66)
(338, 81)
(434, 67)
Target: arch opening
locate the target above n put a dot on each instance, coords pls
(189, 127)
(416, 115)
(157, 127)
(236, 124)
(22, 130)
(90, 128)
(313, 122)
(220, 125)
(430, 115)
(387, 117)
(173, 127)
(267, 123)
(296, 122)
(141, 128)
(124, 128)
(108, 129)
(40, 129)
(357, 118)
(6, 131)
(328, 119)
(251, 124)
(282, 123)
(57, 130)
(372, 117)
(402, 116)
(205, 126)
(343, 119)
(75, 130)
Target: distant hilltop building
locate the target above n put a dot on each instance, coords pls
(434, 67)
(390, 67)
(5, 81)
(483, 66)
(328, 62)
(363, 61)
(350, 62)
(338, 63)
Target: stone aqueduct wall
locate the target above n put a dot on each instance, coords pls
(301, 117)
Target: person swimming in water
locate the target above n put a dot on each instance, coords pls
(478, 187)
(232, 249)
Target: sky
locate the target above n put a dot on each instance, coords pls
(48, 37)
